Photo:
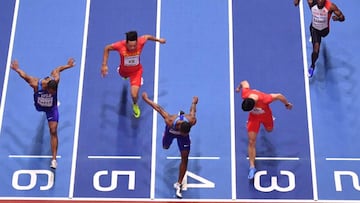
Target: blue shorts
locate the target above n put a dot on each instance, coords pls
(52, 114)
(182, 141)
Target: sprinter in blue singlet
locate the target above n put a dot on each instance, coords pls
(45, 99)
(177, 127)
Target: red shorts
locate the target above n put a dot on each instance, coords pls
(254, 122)
(134, 73)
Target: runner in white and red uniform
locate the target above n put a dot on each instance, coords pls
(321, 11)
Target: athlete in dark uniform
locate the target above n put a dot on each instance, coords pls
(321, 11)
(177, 126)
(45, 99)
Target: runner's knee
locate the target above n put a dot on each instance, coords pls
(252, 142)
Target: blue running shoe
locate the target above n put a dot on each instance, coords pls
(252, 172)
(311, 72)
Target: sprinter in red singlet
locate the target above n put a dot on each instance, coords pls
(130, 66)
(257, 104)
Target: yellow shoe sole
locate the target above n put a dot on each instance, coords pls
(136, 111)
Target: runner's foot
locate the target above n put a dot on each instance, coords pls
(252, 172)
(53, 164)
(178, 191)
(136, 110)
(311, 72)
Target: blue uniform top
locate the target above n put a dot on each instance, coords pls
(173, 129)
(180, 117)
(43, 100)
(171, 133)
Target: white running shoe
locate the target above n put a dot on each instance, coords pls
(178, 191)
(53, 164)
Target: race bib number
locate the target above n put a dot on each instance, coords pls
(131, 60)
(320, 18)
(175, 132)
(45, 100)
(257, 111)
(320, 22)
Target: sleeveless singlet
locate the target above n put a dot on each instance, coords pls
(173, 129)
(320, 17)
(43, 100)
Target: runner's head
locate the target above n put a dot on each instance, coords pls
(52, 86)
(248, 104)
(131, 40)
(185, 127)
(321, 4)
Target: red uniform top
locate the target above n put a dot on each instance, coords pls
(130, 61)
(262, 107)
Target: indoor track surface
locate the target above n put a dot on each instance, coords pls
(107, 155)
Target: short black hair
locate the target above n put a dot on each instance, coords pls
(131, 36)
(248, 104)
(185, 127)
(52, 84)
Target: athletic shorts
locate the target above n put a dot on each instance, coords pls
(182, 141)
(316, 34)
(253, 124)
(134, 76)
(52, 114)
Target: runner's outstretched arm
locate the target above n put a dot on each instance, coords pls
(29, 79)
(56, 72)
(155, 106)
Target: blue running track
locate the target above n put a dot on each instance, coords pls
(105, 154)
